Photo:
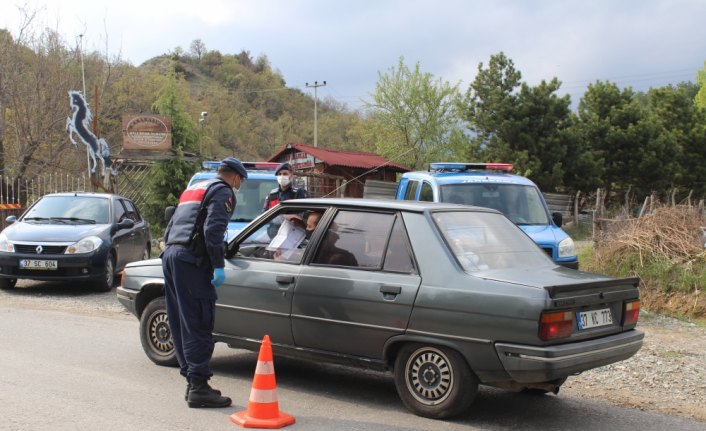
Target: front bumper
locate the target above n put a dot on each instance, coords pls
(85, 267)
(530, 364)
(127, 298)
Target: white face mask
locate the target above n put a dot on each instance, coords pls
(283, 180)
(235, 189)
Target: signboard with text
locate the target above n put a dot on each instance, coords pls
(147, 132)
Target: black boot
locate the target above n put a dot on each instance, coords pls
(203, 395)
(188, 388)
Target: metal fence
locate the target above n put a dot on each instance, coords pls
(16, 195)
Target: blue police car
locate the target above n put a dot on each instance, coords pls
(251, 197)
(491, 185)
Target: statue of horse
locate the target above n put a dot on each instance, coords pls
(78, 124)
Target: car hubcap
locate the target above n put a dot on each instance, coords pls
(429, 376)
(160, 335)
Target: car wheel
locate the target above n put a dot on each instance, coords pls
(433, 381)
(7, 283)
(155, 335)
(109, 279)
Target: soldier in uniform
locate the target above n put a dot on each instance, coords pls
(193, 263)
(286, 190)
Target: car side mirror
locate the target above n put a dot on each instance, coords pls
(126, 224)
(11, 219)
(168, 213)
(557, 218)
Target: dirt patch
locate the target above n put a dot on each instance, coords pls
(667, 375)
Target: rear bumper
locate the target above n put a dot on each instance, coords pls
(529, 364)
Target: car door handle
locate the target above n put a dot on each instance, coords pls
(285, 279)
(390, 290)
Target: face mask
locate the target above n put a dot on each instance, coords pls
(283, 180)
(235, 189)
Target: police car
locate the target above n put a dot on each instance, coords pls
(492, 185)
(250, 197)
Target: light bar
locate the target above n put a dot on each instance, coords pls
(460, 167)
(213, 165)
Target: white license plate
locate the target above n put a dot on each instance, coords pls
(594, 318)
(38, 264)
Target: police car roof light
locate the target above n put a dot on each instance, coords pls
(212, 165)
(461, 167)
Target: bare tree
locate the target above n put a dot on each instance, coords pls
(198, 48)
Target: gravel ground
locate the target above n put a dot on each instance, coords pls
(667, 375)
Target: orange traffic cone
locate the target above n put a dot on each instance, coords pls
(263, 409)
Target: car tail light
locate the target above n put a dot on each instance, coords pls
(557, 324)
(631, 312)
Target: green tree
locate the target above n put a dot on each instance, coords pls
(168, 178)
(527, 127)
(700, 98)
(414, 115)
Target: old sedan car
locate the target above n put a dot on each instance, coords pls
(76, 236)
(445, 296)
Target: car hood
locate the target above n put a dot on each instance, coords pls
(544, 234)
(52, 232)
(148, 262)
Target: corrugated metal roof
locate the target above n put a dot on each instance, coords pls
(349, 159)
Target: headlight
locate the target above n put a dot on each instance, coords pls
(5, 244)
(86, 245)
(566, 248)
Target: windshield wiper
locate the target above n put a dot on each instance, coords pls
(84, 220)
(246, 220)
(36, 218)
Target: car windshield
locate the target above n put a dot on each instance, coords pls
(251, 198)
(74, 209)
(487, 241)
(520, 203)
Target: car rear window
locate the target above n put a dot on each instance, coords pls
(488, 241)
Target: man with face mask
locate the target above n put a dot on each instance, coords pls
(193, 263)
(286, 190)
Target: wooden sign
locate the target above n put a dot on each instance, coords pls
(147, 132)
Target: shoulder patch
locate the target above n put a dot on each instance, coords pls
(229, 204)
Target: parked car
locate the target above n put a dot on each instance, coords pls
(76, 236)
(492, 185)
(445, 296)
(252, 193)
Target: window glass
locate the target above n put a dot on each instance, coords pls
(132, 211)
(411, 193)
(520, 203)
(427, 194)
(250, 198)
(120, 213)
(487, 241)
(355, 238)
(398, 257)
(283, 237)
(80, 209)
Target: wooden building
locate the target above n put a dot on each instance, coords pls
(328, 172)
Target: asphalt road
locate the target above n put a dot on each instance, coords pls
(68, 369)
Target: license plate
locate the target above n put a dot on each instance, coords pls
(594, 318)
(38, 264)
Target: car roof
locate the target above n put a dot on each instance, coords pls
(87, 194)
(469, 177)
(387, 204)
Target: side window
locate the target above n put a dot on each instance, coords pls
(283, 237)
(132, 211)
(119, 210)
(427, 194)
(411, 193)
(356, 239)
(398, 257)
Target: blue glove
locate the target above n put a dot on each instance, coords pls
(219, 276)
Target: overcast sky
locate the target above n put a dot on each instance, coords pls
(637, 43)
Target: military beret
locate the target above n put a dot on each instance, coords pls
(235, 165)
(284, 165)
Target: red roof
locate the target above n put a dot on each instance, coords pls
(349, 159)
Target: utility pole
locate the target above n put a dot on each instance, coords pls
(315, 85)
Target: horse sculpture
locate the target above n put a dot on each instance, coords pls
(78, 124)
